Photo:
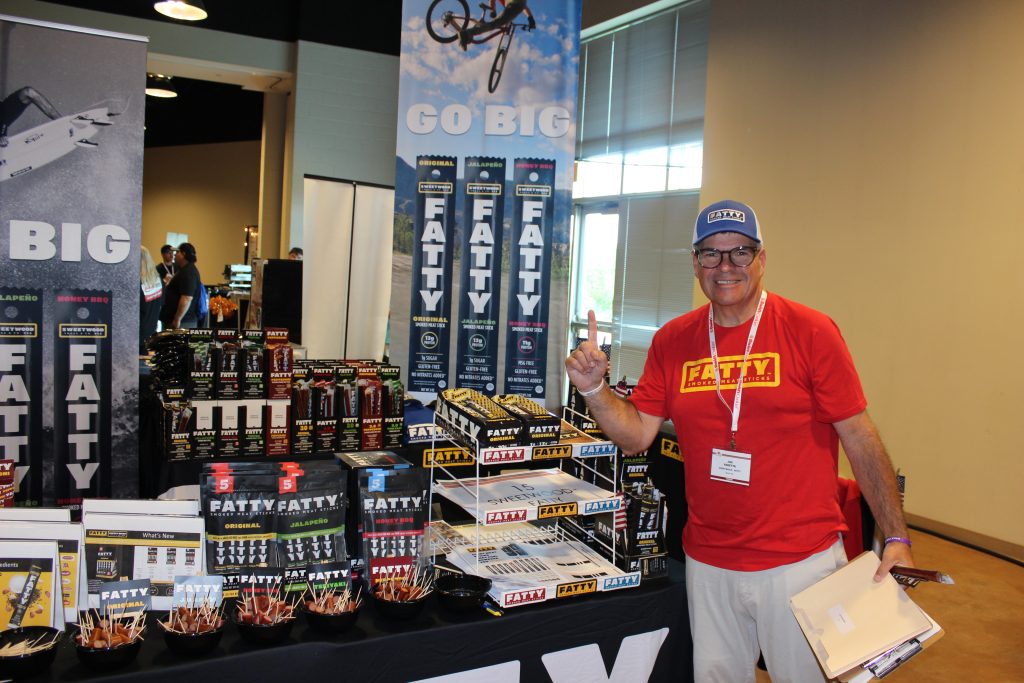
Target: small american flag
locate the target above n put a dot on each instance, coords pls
(620, 514)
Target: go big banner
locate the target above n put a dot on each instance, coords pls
(72, 108)
(486, 135)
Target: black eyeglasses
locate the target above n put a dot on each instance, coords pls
(738, 256)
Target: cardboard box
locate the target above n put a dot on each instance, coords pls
(348, 407)
(371, 408)
(475, 420)
(325, 418)
(229, 361)
(201, 365)
(540, 428)
(278, 363)
(204, 436)
(229, 434)
(252, 436)
(301, 415)
(253, 381)
(278, 428)
(176, 427)
(394, 405)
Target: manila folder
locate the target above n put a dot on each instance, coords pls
(848, 618)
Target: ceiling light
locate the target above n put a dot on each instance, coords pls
(159, 85)
(188, 10)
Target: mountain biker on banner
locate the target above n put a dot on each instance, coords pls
(15, 104)
(510, 10)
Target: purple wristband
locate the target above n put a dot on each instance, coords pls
(899, 539)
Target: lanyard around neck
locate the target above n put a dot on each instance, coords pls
(738, 398)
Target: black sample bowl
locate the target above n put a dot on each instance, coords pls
(192, 644)
(264, 634)
(330, 622)
(400, 609)
(461, 592)
(23, 666)
(106, 658)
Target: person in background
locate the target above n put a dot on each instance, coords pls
(762, 391)
(150, 301)
(295, 254)
(167, 267)
(181, 298)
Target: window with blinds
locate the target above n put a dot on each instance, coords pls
(638, 173)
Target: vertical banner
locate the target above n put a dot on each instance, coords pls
(81, 394)
(480, 282)
(72, 106)
(21, 389)
(486, 84)
(431, 307)
(529, 277)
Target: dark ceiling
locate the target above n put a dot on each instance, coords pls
(228, 113)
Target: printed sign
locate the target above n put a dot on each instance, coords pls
(82, 396)
(433, 252)
(480, 283)
(125, 598)
(501, 107)
(529, 278)
(21, 391)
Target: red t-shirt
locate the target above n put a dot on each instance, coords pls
(800, 379)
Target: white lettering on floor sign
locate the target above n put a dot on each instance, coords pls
(634, 663)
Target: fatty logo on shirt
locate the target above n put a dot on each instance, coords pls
(762, 370)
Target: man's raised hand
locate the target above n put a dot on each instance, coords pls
(587, 365)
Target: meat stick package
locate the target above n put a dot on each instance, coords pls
(310, 517)
(394, 512)
(239, 514)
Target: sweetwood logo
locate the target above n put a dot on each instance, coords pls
(762, 370)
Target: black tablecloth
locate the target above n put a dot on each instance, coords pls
(624, 630)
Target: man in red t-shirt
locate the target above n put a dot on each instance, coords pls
(761, 391)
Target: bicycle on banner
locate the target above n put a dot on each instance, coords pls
(450, 20)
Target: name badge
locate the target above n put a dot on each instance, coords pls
(731, 467)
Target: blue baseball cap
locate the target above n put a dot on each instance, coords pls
(726, 216)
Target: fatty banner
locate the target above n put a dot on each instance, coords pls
(480, 305)
(21, 389)
(484, 88)
(70, 220)
(529, 277)
(433, 251)
(81, 394)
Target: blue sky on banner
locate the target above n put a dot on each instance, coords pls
(540, 72)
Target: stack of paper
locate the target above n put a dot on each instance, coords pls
(849, 619)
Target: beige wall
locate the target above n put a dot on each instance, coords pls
(210, 192)
(882, 144)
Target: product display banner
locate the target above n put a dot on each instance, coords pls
(489, 87)
(433, 253)
(72, 108)
(81, 394)
(21, 390)
(529, 279)
(480, 283)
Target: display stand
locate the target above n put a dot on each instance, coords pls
(527, 535)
